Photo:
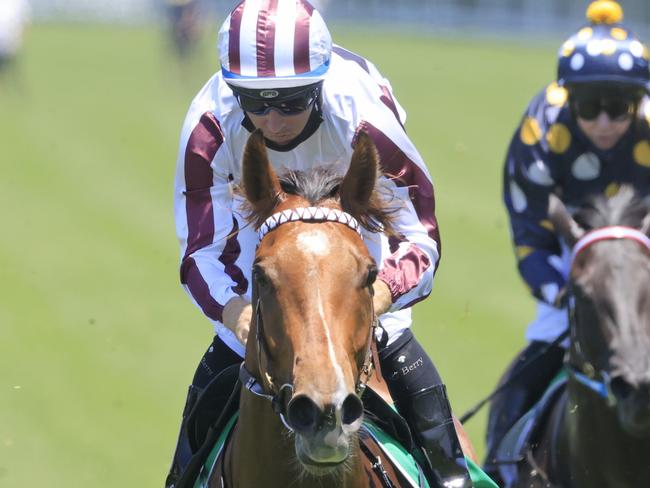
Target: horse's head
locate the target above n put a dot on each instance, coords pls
(610, 304)
(312, 296)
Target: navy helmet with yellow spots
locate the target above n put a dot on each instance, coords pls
(604, 51)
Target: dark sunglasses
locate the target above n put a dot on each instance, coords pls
(616, 108)
(292, 106)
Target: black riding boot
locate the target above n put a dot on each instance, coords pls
(183, 452)
(217, 358)
(528, 376)
(421, 398)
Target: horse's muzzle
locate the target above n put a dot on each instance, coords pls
(324, 435)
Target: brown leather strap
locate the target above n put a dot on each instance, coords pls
(379, 468)
(375, 358)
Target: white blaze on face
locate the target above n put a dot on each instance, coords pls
(317, 243)
(341, 391)
(314, 242)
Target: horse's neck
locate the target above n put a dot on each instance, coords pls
(263, 453)
(592, 437)
(257, 446)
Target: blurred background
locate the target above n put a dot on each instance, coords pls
(97, 339)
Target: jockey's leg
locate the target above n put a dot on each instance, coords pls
(182, 453)
(421, 398)
(217, 358)
(528, 383)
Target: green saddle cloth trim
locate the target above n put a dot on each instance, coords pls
(204, 475)
(479, 477)
(400, 456)
(409, 466)
(396, 451)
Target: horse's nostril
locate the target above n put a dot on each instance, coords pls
(621, 388)
(352, 409)
(303, 414)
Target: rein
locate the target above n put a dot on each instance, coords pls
(280, 396)
(586, 373)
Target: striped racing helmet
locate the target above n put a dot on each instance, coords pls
(274, 46)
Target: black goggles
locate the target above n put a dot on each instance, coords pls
(616, 108)
(291, 106)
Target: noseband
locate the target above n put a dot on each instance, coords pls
(279, 396)
(585, 373)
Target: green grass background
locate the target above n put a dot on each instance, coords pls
(97, 339)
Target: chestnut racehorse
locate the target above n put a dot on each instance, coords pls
(309, 351)
(598, 435)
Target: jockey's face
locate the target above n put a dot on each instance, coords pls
(604, 132)
(604, 112)
(280, 128)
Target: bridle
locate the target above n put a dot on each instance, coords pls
(584, 372)
(279, 395)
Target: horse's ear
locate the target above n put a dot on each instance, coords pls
(567, 227)
(359, 182)
(261, 184)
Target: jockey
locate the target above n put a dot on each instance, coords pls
(281, 74)
(586, 133)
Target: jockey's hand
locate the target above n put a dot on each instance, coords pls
(382, 298)
(237, 316)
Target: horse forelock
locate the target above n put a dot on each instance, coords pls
(314, 186)
(321, 185)
(625, 208)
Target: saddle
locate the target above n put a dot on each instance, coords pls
(214, 401)
(526, 433)
(208, 419)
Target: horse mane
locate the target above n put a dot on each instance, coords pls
(625, 208)
(314, 186)
(320, 184)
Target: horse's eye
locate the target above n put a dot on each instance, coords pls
(259, 276)
(372, 276)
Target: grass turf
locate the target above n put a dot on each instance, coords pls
(99, 341)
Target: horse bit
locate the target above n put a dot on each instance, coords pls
(597, 380)
(279, 395)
